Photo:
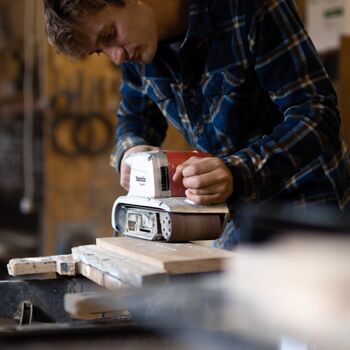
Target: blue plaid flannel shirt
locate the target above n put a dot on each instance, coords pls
(247, 86)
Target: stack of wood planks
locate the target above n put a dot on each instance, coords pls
(123, 261)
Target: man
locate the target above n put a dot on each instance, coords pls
(239, 78)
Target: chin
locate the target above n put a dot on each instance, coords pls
(147, 55)
(146, 59)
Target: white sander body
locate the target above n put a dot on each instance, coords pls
(156, 207)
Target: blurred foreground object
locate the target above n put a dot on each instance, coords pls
(298, 286)
(291, 275)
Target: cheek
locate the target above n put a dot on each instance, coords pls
(146, 28)
(143, 34)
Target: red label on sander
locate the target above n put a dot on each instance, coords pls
(176, 158)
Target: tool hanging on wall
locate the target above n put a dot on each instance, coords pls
(81, 134)
(94, 131)
(63, 124)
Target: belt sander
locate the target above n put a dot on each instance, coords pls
(156, 208)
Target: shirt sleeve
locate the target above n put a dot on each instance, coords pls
(139, 119)
(288, 68)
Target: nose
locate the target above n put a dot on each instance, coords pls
(116, 54)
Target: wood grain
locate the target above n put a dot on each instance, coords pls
(174, 258)
(101, 278)
(121, 267)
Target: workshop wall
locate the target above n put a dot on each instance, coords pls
(18, 232)
(80, 186)
(72, 106)
(301, 7)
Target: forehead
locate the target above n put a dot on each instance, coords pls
(91, 25)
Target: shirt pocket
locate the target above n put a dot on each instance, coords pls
(221, 83)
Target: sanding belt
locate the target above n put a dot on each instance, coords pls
(193, 227)
(178, 227)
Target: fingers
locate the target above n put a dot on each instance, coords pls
(214, 178)
(205, 199)
(215, 193)
(194, 166)
(207, 180)
(215, 188)
(124, 168)
(124, 176)
(178, 173)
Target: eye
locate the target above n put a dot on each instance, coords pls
(109, 36)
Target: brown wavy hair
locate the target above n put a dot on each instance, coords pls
(61, 17)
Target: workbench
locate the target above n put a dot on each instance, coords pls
(138, 280)
(293, 284)
(60, 332)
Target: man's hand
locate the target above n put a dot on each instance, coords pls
(207, 180)
(125, 170)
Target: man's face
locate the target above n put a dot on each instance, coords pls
(123, 33)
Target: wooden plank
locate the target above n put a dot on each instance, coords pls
(94, 305)
(103, 279)
(174, 258)
(121, 267)
(28, 266)
(62, 264)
